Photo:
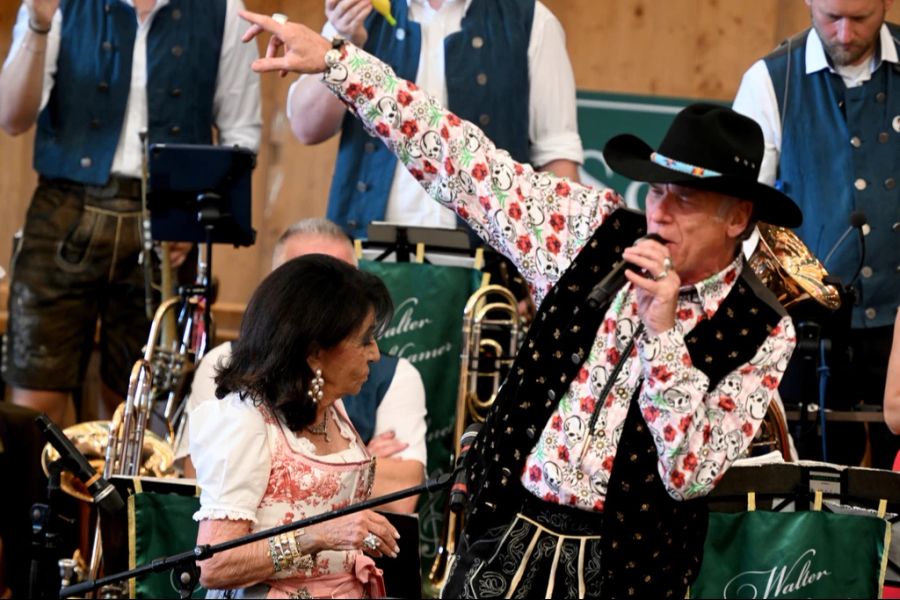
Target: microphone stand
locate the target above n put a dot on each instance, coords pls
(184, 564)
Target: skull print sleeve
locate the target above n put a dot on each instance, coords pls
(536, 219)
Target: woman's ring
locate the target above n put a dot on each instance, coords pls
(371, 541)
(280, 18)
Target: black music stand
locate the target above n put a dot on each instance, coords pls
(201, 194)
(401, 240)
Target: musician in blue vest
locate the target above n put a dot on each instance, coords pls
(388, 412)
(93, 75)
(499, 63)
(828, 102)
(634, 391)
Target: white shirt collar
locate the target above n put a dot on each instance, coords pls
(423, 2)
(815, 52)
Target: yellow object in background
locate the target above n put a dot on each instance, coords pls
(384, 9)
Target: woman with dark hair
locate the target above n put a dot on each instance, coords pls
(278, 446)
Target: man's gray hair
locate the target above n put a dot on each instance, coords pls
(315, 226)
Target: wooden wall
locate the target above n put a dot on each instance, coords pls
(687, 48)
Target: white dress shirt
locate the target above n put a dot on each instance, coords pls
(236, 105)
(553, 123)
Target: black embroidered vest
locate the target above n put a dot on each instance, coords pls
(652, 544)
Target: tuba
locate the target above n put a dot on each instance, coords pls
(787, 267)
(492, 331)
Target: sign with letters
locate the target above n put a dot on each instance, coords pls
(812, 554)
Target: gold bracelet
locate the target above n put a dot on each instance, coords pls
(273, 554)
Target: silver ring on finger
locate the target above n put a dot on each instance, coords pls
(371, 541)
(280, 18)
(667, 264)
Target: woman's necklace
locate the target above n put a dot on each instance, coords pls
(321, 428)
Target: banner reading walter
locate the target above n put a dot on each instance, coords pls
(427, 330)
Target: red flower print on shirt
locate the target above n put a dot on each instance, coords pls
(686, 359)
(726, 403)
(445, 133)
(462, 211)
(409, 128)
(669, 433)
(747, 429)
(404, 98)
(429, 168)
(562, 452)
(534, 473)
(417, 173)
(770, 382)
(518, 168)
(609, 325)
(353, 90)
(582, 375)
(383, 130)
(551, 497)
(453, 120)
(612, 355)
(730, 276)
(479, 171)
(684, 423)
(650, 414)
(369, 92)
(515, 211)
(485, 202)
(707, 433)
(411, 86)
(556, 423)
(563, 189)
(553, 244)
(661, 373)
(448, 166)
(557, 222)
(607, 463)
(677, 478)
(599, 505)
(690, 461)
(587, 404)
(683, 314)
(523, 244)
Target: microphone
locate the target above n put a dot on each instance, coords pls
(103, 493)
(858, 221)
(459, 493)
(609, 285)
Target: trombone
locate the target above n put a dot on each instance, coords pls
(492, 331)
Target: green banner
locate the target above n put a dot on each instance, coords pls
(427, 330)
(763, 554)
(151, 535)
(603, 115)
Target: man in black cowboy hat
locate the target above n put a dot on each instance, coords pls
(629, 399)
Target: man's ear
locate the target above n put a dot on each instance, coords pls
(739, 218)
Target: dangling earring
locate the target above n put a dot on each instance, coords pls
(316, 386)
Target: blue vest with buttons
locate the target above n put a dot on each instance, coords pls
(363, 407)
(486, 66)
(840, 152)
(79, 129)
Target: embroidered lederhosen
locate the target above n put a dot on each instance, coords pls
(651, 545)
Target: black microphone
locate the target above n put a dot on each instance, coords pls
(103, 493)
(609, 285)
(459, 493)
(857, 221)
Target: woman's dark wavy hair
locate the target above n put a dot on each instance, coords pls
(311, 302)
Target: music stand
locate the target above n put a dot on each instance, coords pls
(201, 194)
(401, 241)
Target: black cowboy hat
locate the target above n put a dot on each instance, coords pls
(709, 147)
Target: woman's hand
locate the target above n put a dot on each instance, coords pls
(41, 12)
(349, 533)
(301, 49)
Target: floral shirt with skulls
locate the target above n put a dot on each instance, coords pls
(541, 222)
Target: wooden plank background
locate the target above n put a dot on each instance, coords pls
(687, 48)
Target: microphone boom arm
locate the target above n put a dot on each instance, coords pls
(185, 562)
